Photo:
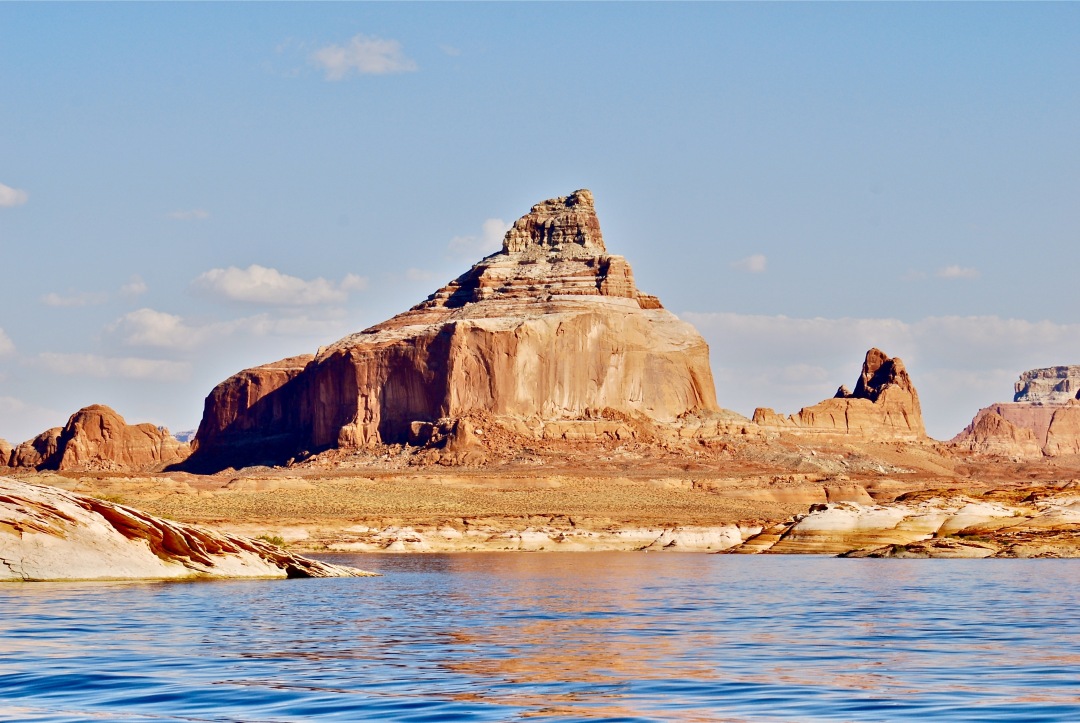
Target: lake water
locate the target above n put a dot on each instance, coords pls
(590, 636)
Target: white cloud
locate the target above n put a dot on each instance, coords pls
(194, 214)
(102, 367)
(487, 242)
(23, 421)
(958, 272)
(157, 329)
(363, 55)
(86, 298)
(10, 197)
(958, 364)
(261, 285)
(754, 264)
(7, 346)
(135, 287)
(412, 274)
(160, 330)
(353, 282)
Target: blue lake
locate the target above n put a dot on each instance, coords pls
(590, 636)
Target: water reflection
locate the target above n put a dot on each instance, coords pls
(573, 636)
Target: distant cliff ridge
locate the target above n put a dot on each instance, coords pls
(1042, 420)
(1054, 385)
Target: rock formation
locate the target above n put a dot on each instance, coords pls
(97, 437)
(1052, 385)
(5, 452)
(934, 523)
(549, 329)
(1045, 400)
(883, 405)
(35, 452)
(992, 433)
(51, 534)
(1063, 434)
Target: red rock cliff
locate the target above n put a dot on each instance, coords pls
(97, 437)
(550, 328)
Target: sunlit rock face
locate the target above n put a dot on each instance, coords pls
(1042, 420)
(1053, 385)
(884, 405)
(552, 327)
(52, 534)
(96, 437)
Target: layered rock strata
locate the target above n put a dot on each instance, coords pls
(1052, 385)
(51, 534)
(932, 524)
(550, 329)
(1043, 419)
(883, 405)
(96, 437)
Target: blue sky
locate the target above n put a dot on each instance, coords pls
(190, 189)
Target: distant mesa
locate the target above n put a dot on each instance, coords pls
(98, 438)
(1052, 385)
(546, 333)
(884, 405)
(1042, 420)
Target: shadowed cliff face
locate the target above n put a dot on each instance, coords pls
(550, 328)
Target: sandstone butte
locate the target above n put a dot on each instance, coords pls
(96, 437)
(884, 405)
(48, 533)
(1042, 420)
(550, 336)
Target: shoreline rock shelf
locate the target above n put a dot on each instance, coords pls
(48, 533)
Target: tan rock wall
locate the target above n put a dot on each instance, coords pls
(1063, 434)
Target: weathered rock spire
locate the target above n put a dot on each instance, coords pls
(567, 224)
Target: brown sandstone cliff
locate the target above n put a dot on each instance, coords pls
(5, 452)
(551, 328)
(35, 452)
(1044, 419)
(883, 405)
(97, 437)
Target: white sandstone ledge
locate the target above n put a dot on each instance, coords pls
(51, 534)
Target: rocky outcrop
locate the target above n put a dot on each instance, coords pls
(255, 415)
(5, 452)
(992, 433)
(51, 534)
(1052, 385)
(1045, 401)
(933, 524)
(551, 328)
(96, 437)
(884, 405)
(37, 451)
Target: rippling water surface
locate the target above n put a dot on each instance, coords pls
(619, 636)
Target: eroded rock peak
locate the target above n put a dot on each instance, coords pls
(566, 226)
